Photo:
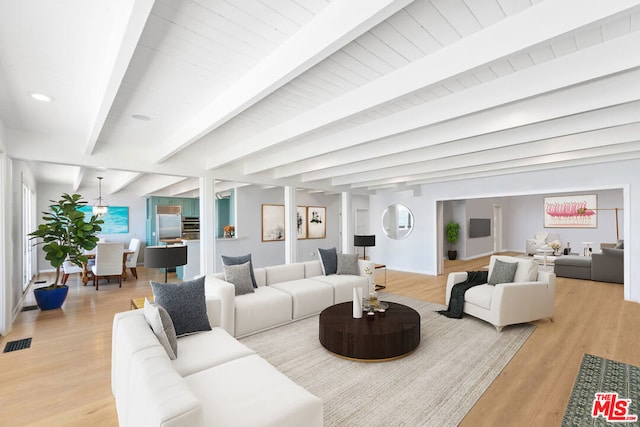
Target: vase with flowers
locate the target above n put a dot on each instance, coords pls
(555, 245)
(229, 231)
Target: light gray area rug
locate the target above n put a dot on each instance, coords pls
(436, 385)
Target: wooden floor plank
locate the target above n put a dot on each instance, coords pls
(67, 370)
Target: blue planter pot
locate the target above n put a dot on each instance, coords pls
(51, 298)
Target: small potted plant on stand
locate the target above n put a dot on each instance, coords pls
(65, 235)
(452, 237)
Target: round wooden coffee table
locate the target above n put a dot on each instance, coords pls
(393, 335)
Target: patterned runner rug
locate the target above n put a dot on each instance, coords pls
(437, 384)
(614, 382)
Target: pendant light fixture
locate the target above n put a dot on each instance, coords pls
(100, 208)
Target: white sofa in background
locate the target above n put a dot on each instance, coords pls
(530, 296)
(215, 380)
(540, 240)
(285, 293)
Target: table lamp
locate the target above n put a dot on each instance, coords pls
(364, 241)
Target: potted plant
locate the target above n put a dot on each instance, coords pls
(65, 236)
(452, 237)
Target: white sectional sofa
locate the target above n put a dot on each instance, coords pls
(215, 380)
(285, 293)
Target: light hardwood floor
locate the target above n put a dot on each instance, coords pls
(64, 378)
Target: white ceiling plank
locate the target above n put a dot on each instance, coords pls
(405, 23)
(431, 19)
(468, 155)
(529, 82)
(115, 66)
(459, 15)
(397, 41)
(593, 156)
(524, 30)
(486, 12)
(333, 28)
(473, 130)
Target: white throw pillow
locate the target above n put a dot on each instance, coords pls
(162, 326)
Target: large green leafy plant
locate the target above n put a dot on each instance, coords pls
(66, 234)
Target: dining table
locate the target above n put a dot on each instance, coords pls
(92, 255)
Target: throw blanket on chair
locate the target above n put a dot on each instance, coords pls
(456, 301)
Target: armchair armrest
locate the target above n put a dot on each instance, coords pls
(454, 278)
(523, 301)
(221, 303)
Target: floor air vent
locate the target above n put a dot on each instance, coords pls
(17, 345)
(29, 307)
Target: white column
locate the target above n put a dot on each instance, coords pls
(290, 226)
(207, 226)
(346, 224)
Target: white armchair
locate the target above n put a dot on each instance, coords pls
(539, 241)
(530, 296)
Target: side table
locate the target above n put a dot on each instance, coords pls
(383, 266)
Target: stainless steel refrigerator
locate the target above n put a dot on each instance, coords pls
(168, 227)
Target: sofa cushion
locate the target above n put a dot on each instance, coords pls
(284, 273)
(503, 272)
(251, 392)
(309, 296)
(348, 264)
(480, 295)
(234, 260)
(185, 303)
(162, 326)
(206, 350)
(329, 260)
(312, 268)
(266, 308)
(343, 286)
(239, 276)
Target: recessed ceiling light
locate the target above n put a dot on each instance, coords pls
(141, 117)
(41, 97)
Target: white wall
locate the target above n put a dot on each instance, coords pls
(418, 252)
(249, 227)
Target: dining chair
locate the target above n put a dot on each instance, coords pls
(108, 262)
(69, 268)
(132, 259)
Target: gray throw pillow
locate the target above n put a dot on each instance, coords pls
(162, 326)
(185, 303)
(240, 276)
(328, 260)
(348, 264)
(503, 272)
(235, 260)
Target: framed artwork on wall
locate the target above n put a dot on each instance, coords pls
(316, 222)
(571, 211)
(116, 220)
(301, 222)
(272, 223)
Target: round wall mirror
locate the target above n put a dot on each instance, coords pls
(397, 221)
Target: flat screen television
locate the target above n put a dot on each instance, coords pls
(479, 227)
